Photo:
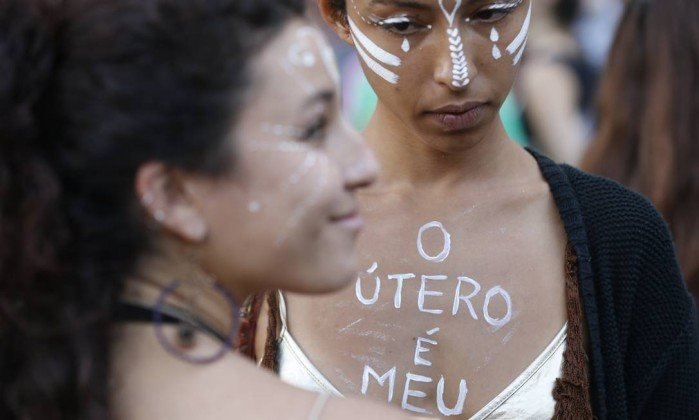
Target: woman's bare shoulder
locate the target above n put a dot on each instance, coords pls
(149, 383)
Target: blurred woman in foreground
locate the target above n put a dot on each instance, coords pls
(159, 161)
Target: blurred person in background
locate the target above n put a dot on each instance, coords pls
(595, 28)
(648, 135)
(556, 83)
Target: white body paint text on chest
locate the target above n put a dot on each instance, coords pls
(466, 289)
(413, 382)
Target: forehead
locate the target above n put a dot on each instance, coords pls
(295, 65)
(422, 4)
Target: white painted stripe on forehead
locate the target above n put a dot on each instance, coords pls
(379, 53)
(521, 37)
(377, 68)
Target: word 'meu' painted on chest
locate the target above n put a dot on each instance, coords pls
(465, 290)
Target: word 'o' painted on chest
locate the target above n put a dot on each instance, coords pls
(465, 290)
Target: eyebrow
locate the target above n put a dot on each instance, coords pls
(323, 96)
(407, 4)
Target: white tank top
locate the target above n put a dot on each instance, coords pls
(528, 396)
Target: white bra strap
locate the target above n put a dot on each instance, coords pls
(282, 312)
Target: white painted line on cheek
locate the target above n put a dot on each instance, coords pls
(283, 146)
(302, 170)
(377, 68)
(379, 53)
(519, 54)
(295, 218)
(521, 37)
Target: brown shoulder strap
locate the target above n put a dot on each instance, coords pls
(572, 390)
(270, 359)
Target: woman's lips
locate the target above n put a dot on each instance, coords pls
(351, 221)
(458, 117)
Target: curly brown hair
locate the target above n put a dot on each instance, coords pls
(91, 90)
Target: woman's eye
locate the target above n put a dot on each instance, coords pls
(491, 15)
(401, 25)
(316, 131)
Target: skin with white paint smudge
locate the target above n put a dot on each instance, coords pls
(292, 138)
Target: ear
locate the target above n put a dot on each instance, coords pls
(164, 197)
(336, 19)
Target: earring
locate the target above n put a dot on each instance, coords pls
(188, 324)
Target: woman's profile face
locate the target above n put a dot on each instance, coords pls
(439, 66)
(286, 217)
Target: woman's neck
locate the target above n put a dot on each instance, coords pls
(409, 160)
(195, 293)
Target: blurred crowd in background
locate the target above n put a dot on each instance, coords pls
(611, 86)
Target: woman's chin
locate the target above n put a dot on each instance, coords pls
(331, 278)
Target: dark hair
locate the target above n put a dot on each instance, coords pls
(566, 12)
(649, 127)
(91, 90)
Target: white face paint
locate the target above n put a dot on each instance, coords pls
(301, 54)
(456, 46)
(277, 139)
(406, 45)
(517, 46)
(495, 37)
(374, 56)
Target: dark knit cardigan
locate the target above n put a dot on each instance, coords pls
(641, 321)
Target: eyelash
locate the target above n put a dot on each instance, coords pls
(501, 13)
(315, 132)
(393, 24)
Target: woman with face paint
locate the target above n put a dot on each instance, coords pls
(495, 283)
(159, 161)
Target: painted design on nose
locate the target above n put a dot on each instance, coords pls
(517, 45)
(375, 57)
(456, 46)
